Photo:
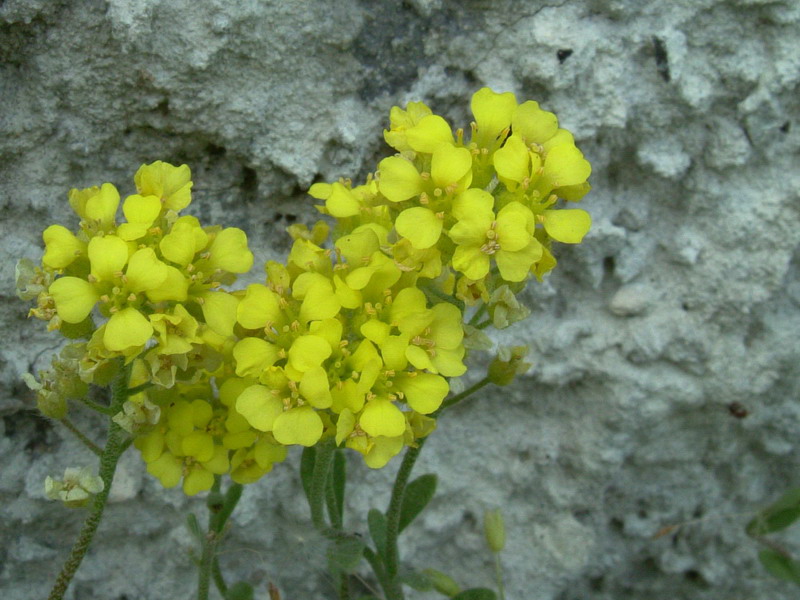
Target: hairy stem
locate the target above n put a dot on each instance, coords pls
(115, 446)
(220, 511)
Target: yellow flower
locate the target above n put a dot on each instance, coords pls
(96, 206)
(480, 235)
(170, 184)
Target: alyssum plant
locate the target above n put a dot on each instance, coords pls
(350, 344)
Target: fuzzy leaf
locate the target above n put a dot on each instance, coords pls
(377, 529)
(780, 566)
(418, 493)
(778, 515)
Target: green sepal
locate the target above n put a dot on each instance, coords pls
(307, 460)
(77, 331)
(780, 566)
(476, 594)
(417, 495)
(377, 530)
(344, 555)
(241, 590)
(778, 515)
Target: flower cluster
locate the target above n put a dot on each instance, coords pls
(472, 212)
(352, 341)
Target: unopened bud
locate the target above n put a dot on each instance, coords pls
(494, 529)
(444, 584)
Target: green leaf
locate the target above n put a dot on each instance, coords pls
(307, 460)
(476, 594)
(778, 515)
(417, 495)
(414, 579)
(344, 555)
(339, 480)
(780, 566)
(241, 590)
(377, 530)
(194, 527)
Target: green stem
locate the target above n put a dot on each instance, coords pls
(319, 480)
(478, 314)
(332, 503)
(115, 446)
(82, 437)
(139, 388)
(432, 291)
(453, 400)
(220, 511)
(219, 580)
(498, 571)
(393, 512)
(483, 324)
(97, 407)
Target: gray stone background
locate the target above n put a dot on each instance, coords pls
(683, 299)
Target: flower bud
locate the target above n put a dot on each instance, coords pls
(444, 584)
(494, 530)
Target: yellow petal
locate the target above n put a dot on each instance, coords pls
(451, 165)
(219, 310)
(179, 245)
(567, 225)
(492, 112)
(514, 226)
(259, 406)
(308, 351)
(565, 166)
(399, 179)
(381, 417)
(125, 329)
(512, 162)
(107, 255)
(102, 206)
(259, 306)
(429, 133)
(514, 266)
(141, 209)
(229, 251)
(145, 271)
(253, 355)
(74, 298)
(342, 203)
(197, 480)
(420, 226)
(315, 388)
(174, 287)
(533, 124)
(61, 247)
(382, 451)
(300, 425)
(424, 392)
(345, 425)
(472, 202)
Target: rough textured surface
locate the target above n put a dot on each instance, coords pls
(684, 298)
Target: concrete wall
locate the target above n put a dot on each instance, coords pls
(683, 299)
